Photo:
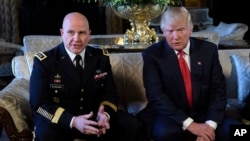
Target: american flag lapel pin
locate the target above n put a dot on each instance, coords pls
(199, 63)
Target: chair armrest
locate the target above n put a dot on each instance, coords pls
(15, 109)
(20, 67)
(7, 123)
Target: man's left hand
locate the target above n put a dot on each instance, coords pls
(102, 120)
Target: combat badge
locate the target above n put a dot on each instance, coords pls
(41, 56)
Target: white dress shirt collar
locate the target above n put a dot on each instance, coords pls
(72, 55)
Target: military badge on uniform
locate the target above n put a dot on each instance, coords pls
(100, 75)
(41, 56)
(56, 87)
(57, 78)
(56, 100)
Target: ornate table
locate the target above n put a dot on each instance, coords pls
(115, 43)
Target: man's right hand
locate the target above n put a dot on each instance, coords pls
(203, 131)
(84, 125)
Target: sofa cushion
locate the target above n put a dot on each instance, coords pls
(40, 43)
(135, 107)
(229, 70)
(20, 68)
(29, 60)
(242, 68)
(127, 72)
(224, 29)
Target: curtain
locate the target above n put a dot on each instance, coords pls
(9, 20)
(113, 22)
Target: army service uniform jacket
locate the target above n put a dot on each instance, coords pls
(57, 93)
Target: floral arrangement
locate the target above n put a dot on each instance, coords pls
(114, 2)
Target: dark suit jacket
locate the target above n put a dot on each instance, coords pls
(165, 88)
(55, 85)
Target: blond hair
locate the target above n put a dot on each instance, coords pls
(172, 14)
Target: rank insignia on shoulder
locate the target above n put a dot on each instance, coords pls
(41, 56)
(105, 52)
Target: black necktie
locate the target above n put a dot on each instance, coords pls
(79, 67)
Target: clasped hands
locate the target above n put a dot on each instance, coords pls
(203, 131)
(85, 125)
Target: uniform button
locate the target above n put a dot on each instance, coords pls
(82, 90)
(81, 99)
(56, 99)
(81, 108)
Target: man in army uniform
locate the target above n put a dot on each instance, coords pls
(68, 105)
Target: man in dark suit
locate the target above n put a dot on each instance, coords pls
(169, 115)
(67, 104)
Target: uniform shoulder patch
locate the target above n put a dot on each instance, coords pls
(105, 52)
(41, 56)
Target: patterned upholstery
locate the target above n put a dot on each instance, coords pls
(39, 43)
(14, 98)
(229, 71)
(127, 71)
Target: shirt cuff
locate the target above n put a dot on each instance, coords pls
(212, 124)
(186, 123)
(107, 114)
(71, 122)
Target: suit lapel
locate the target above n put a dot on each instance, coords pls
(196, 65)
(172, 65)
(197, 70)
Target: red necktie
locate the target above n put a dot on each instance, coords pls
(186, 76)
